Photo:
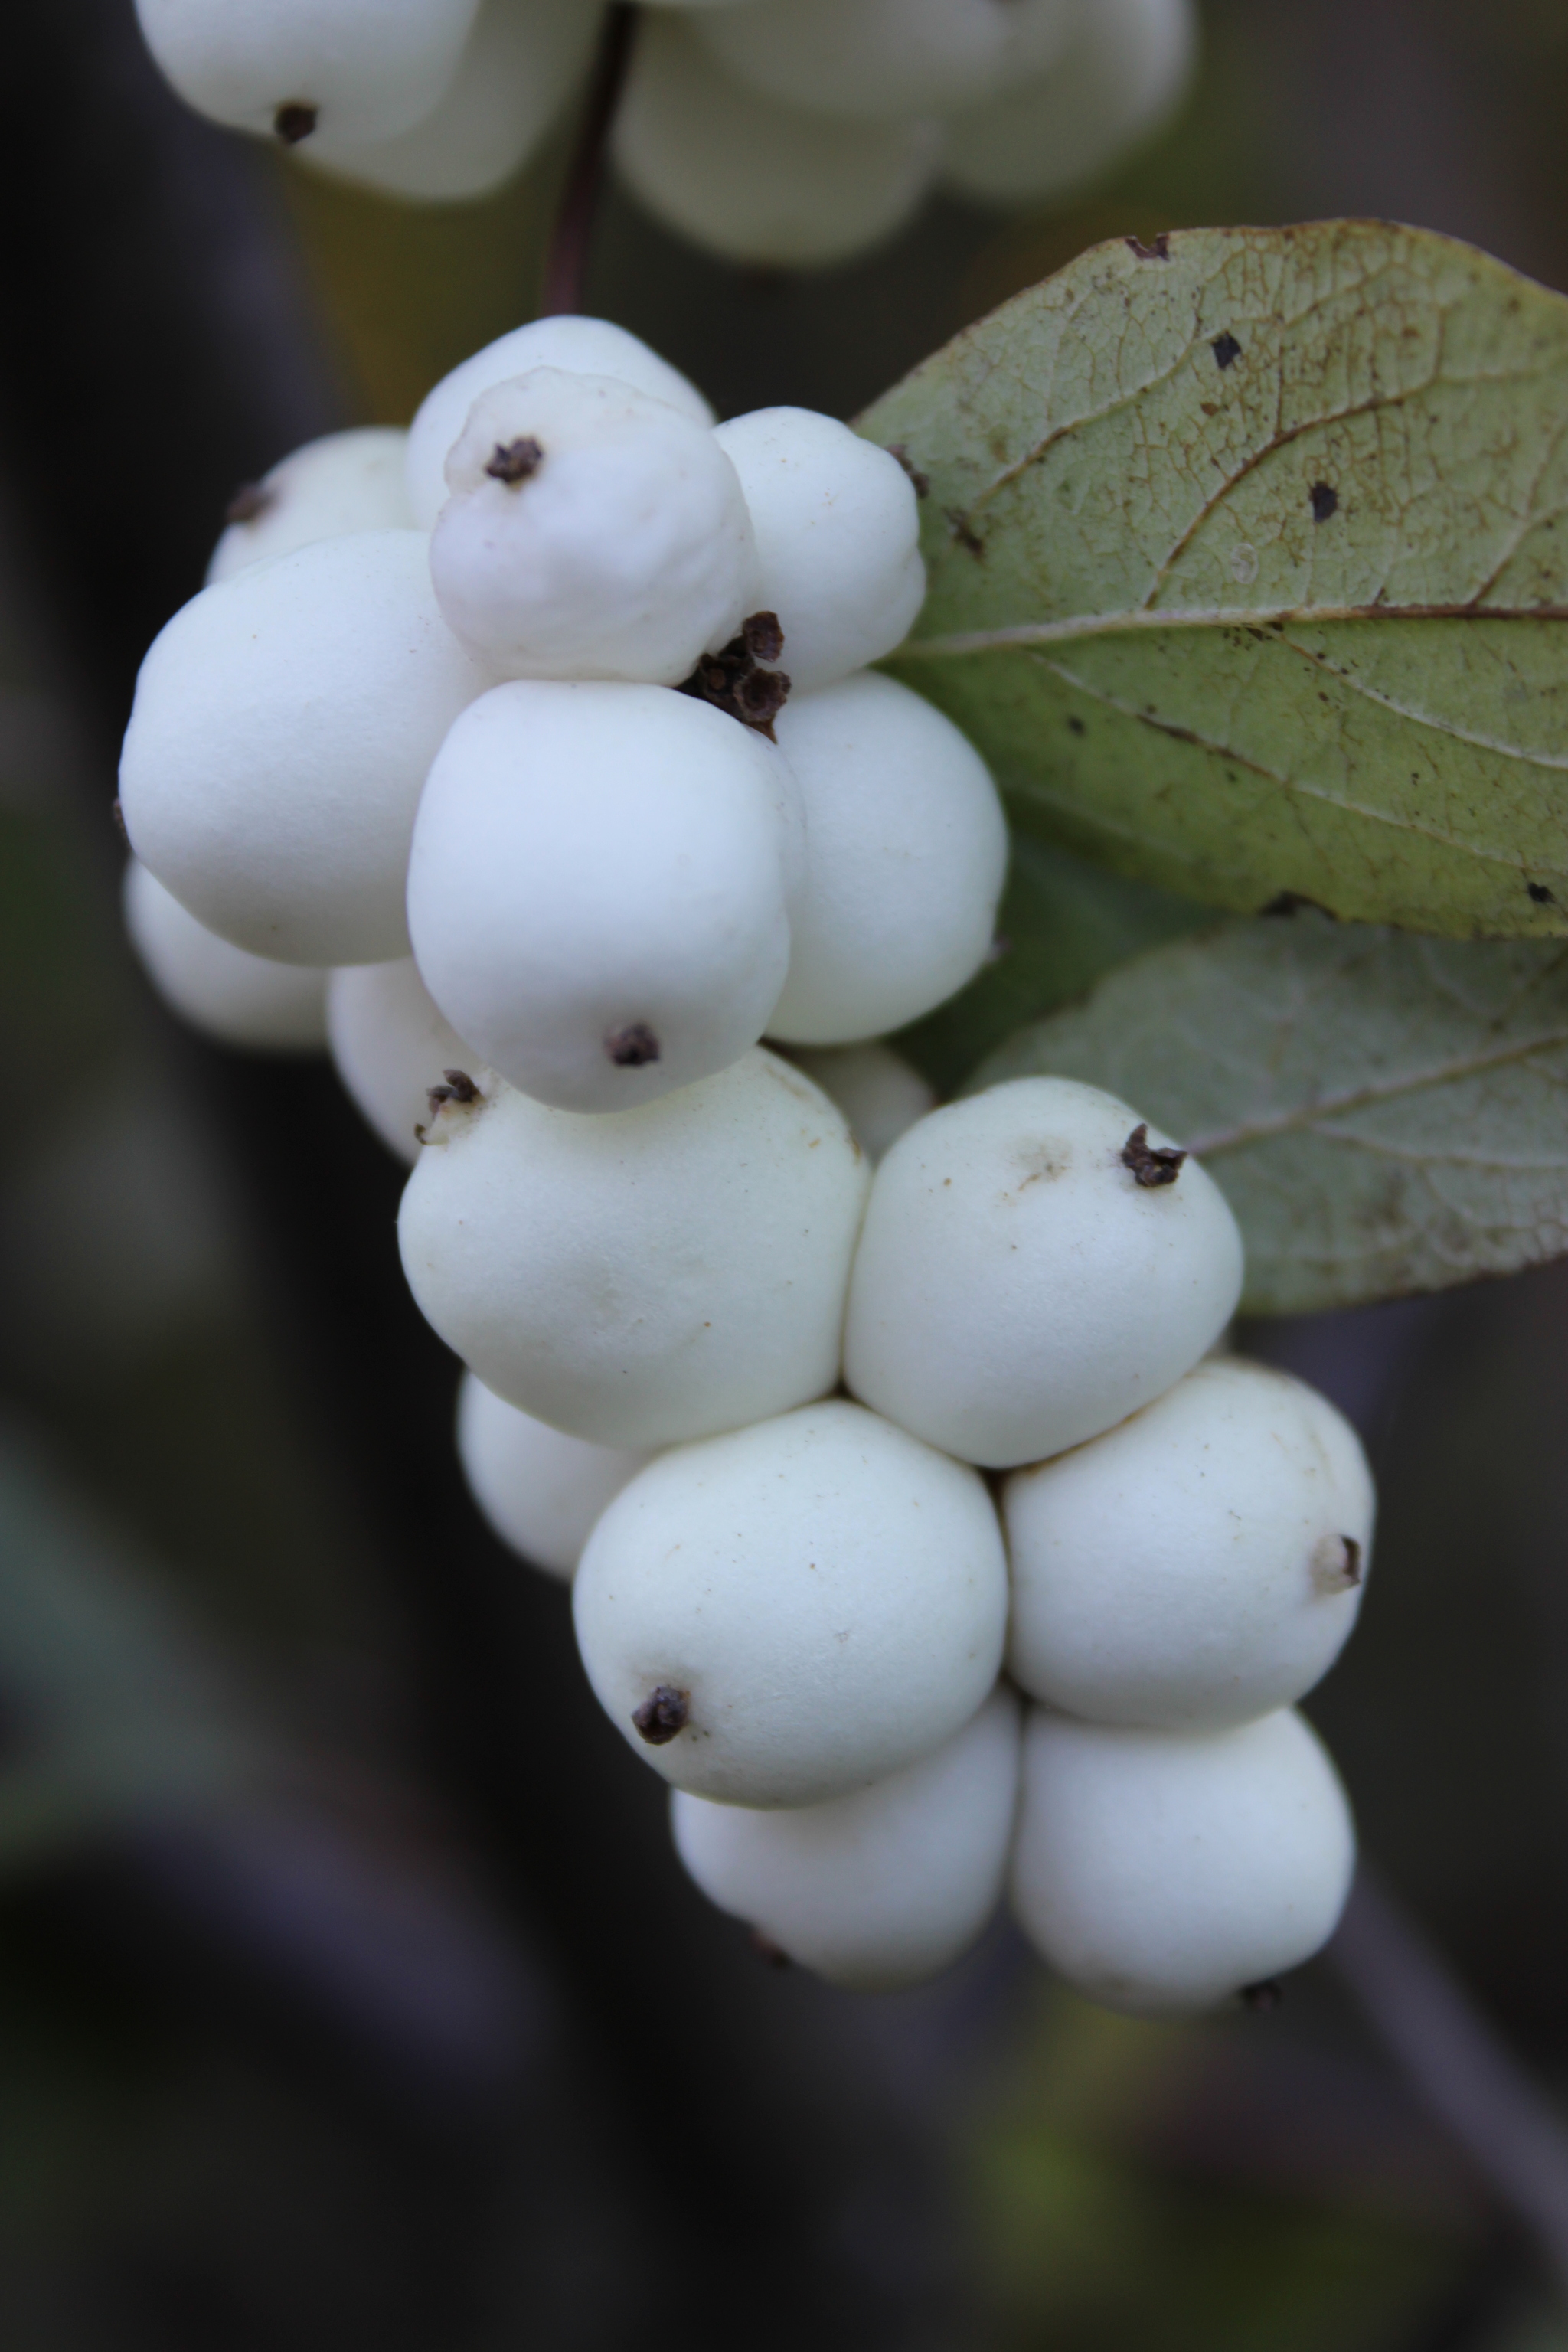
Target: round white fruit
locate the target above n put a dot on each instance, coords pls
(592, 533)
(879, 1093)
(541, 1490)
(758, 183)
(237, 998)
(648, 1276)
(599, 888)
(521, 63)
(838, 534)
(906, 855)
(880, 1889)
(1198, 1565)
(1018, 1289)
(342, 483)
(1166, 1872)
(365, 68)
(1124, 69)
(791, 1611)
(888, 60)
(391, 1044)
(283, 726)
(580, 346)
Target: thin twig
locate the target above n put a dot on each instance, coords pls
(566, 263)
(1457, 2064)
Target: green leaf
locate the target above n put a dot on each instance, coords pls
(1062, 925)
(1248, 560)
(1386, 1114)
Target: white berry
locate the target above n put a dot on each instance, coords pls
(520, 64)
(837, 533)
(752, 180)
(365, 68)
(283, 724)
(1200, 1564)
(541, 1490)
(1165, 1872)
(599, 888)
(391, 1044)
(342, 483)
(239, 998)
(906, 855)
(580, 346)
(879, 1093)
(591, 532)
(1125, 68)
(795, 1609)
(1018, 1289)
(887, 58)
(648, 1276)
(882, 1888)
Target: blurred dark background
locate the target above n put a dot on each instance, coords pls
(349, 1996)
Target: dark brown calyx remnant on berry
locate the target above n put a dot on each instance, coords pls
(513, 461)
(633, 1047)
(921, 482)
(1264, 1997)
(458, 1088)
(296, 120)
(249, 502)
(662, 1715)
(734, 681)
(1152, 1165)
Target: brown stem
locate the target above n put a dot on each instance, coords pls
(1461, 2070)
(566, 263)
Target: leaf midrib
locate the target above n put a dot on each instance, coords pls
(1025, 635)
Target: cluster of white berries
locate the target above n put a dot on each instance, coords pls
(775, 132)
(509, 689)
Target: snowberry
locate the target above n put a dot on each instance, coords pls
(598, 889)
(749, 179)
(1124, 69)
(645, 1277)
(837, 533)
(391, 1044)
(541, 1490)
(521, 62)
(906, 853)
(879, 1093)
(580, 346)
(879, 1889)
(592, 533)
(887, 58)
(795, 1609)
(1163, 1871)
(1035, 1264)
(237, 998)
(367, 68)
(342, 483)
(283, 724)
(1199, 1564)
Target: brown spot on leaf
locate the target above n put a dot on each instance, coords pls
(1538, 891)
(514, 461)
(1153, 1165)
(633, 1047)
(921, 482)
(1159, 250)
(296, 120)
(1292, 902)
(1075, 726)
(1225, 348)
(964, 532)
(662, 1715)
(1325, 501)
(458, 1088)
